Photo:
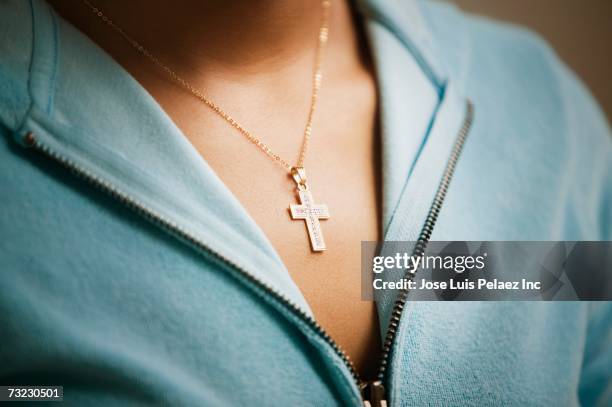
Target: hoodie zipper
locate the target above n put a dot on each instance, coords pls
(376, 389)
(372, 393)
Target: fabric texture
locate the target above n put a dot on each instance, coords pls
(97, 297)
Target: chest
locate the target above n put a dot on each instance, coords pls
(342, 170)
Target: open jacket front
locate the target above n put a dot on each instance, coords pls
(131, 274)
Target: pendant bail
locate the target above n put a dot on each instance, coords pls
(299, 176)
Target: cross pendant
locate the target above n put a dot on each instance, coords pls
(308, 211)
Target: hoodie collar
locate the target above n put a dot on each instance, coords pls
(405, 20)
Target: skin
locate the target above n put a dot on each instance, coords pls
(255, 59)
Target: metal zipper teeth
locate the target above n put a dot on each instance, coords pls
(258, 285)
(423, 240)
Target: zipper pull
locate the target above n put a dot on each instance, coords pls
(373, 394)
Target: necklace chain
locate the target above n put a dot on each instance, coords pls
(316, 85)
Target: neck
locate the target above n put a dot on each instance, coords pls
(240, 36)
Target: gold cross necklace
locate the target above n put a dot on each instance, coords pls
(307, 210)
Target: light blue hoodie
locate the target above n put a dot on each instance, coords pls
(130, 274)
